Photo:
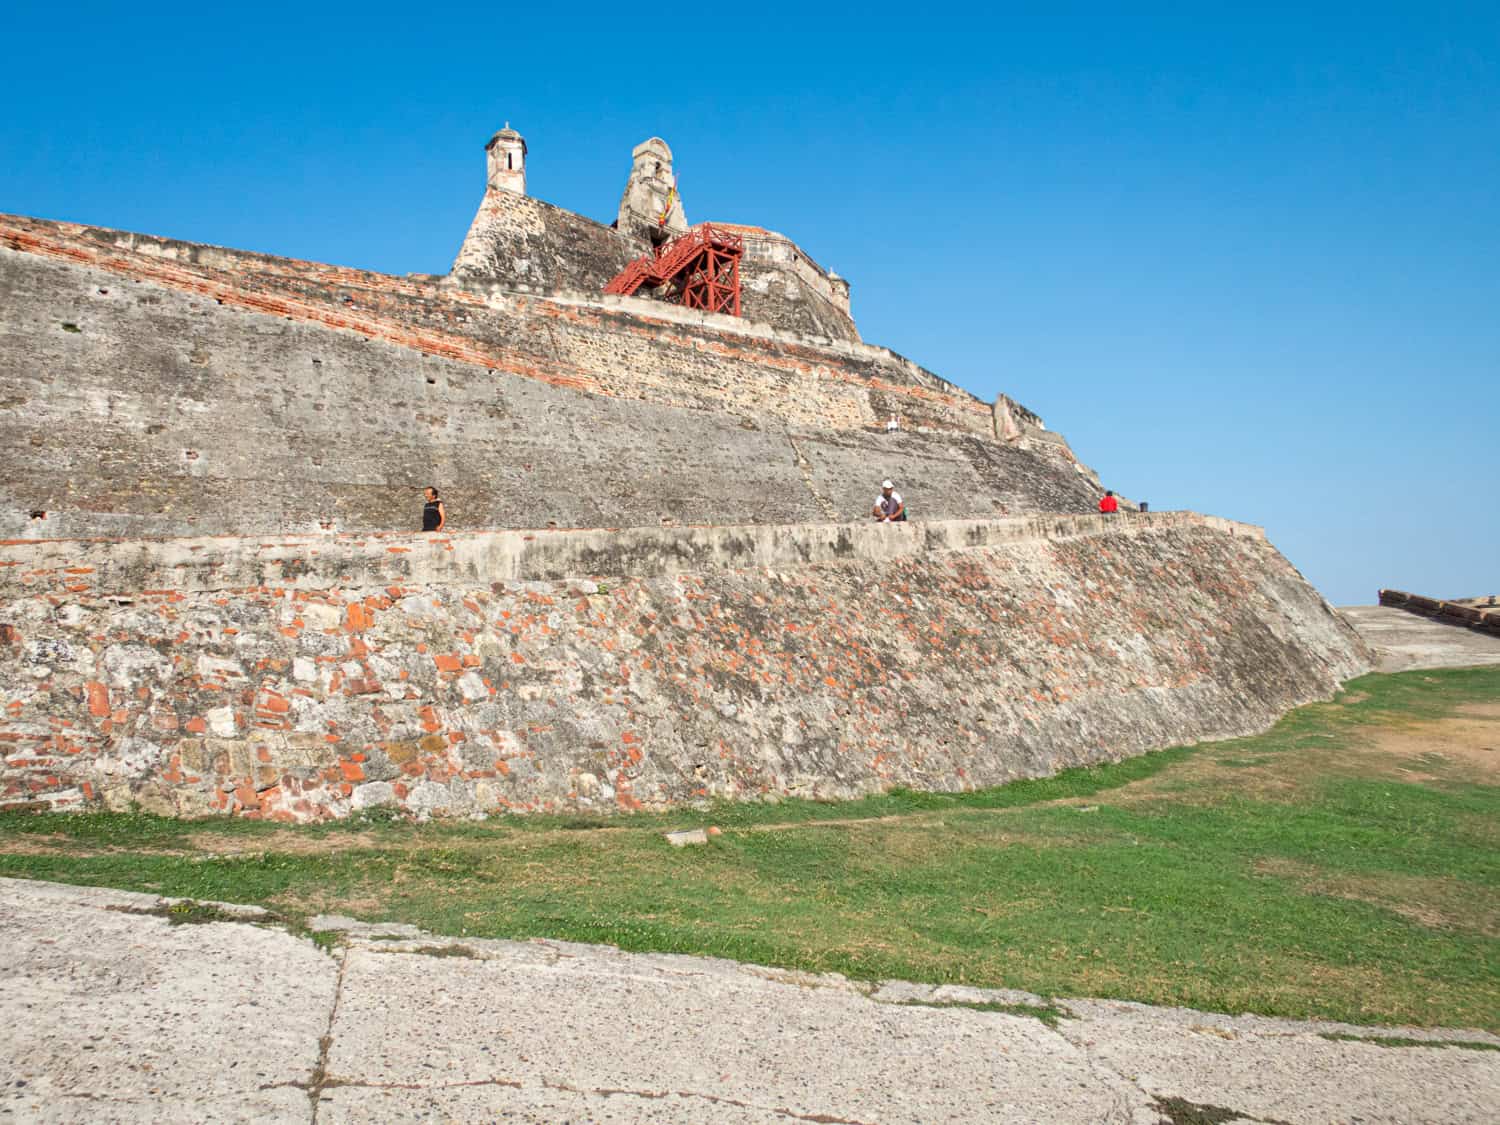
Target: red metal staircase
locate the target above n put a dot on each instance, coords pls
(699, 270)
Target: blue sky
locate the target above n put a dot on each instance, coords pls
(1247, 261)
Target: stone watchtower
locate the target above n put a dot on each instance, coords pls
(507, 161)
(651, 208)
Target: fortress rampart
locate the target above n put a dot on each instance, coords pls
(783, 285)
(530, 246)
(304, 677)
(525, 245)
(154, 387)
(205, 606)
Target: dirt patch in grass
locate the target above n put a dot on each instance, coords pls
(848, 822)
(1479, 711)
(49, 844)
(1436, 903)
(285, 842)
(1466, 748)
(40, 845)
(1463, 748)
(306, 904)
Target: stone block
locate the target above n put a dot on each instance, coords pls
(400, 753)
(372, 794)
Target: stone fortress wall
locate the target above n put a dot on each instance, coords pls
(158, 387)
(307, 677)
(526, 245)
(299, 659)
(784, 286)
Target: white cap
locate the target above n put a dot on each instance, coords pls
(886, 484)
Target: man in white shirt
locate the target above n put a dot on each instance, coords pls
(889, 507)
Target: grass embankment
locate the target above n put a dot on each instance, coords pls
(1344, 865)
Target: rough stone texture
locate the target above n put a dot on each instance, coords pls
(651, 209)
(782, 285)
(505, 162)
(67, 569)
(405, 671)
(523, 245)
(527, 245)
(170, 413)
(690, 1039)
(1277, 1070)
(95, 999)
(151, 387)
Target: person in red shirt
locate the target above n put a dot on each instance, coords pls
(1109, 505)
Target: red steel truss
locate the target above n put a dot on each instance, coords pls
(699, 270)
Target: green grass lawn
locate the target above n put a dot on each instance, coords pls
(1346, 864)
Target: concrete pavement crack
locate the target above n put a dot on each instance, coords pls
(356, 1084)
(1122, 1102)
(319, 1078)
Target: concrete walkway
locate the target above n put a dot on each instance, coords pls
(1405, 640)
(110, 1012)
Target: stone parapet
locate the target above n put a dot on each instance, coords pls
(785, 286)
(1473, 613)
(73, 568)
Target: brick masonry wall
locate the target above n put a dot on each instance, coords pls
(150, 387)
(394, 670)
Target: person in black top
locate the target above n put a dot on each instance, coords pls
(433, 516)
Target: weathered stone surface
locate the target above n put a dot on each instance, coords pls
(110, 1014)
(533, 247)
(757, 662)
(155, 387)
(1278, 1070)
(783, 286)
(687, 1039)
(651, 208)
(210, 391)
(1403, 640)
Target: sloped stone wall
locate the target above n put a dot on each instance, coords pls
(149, 387)
(305, 678)
(526, 244)
(783, 286)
